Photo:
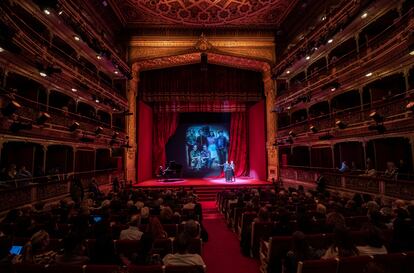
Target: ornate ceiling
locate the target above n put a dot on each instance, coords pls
(203, 13)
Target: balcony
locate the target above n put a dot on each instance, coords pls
(351, 183)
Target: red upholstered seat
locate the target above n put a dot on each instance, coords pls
(98, 268)
(64, 269)
(260, 231)
(185, 269)
(357, 264)
(29, 268)
(391, 262)
(171, 229)
(162, 247)
(145, 269)
(318, 266)
(127, 247)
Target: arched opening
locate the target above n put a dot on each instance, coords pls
(86, 110)
(59, 159)
(352, 151)
(61, 103)
(104, 117)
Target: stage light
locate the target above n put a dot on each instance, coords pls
(292, 134)
(1, 49)
(340, 124)
(43, 73)
(330, 41)
(99, 57)
(313, 129)
(365, 15)
(376, 117)
(115, 135)
(410, 106)
(46, 11)
(116, 72)
(17, 126)
(60, 12)
(411, 53)
(368, 74)
(76, 37)
(288, 72)
(74, 90)
(75, 126)
(323, 18)
(307, 58)
(97, 100)
(10, 108)
(98, 130)
(42, 118)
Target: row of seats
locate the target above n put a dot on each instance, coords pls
(388, 263)
(273, 252)
(34, 268)
(127, 247)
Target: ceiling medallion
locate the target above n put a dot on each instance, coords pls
(203, 44)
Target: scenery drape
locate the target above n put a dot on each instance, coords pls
(165, 124)
(238, 143)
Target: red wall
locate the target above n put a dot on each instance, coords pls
(144, 141)
(257, 146)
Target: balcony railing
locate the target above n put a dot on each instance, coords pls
(379, 185)
(19, 192)
(392, 109)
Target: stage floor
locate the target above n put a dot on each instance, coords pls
(203, 182)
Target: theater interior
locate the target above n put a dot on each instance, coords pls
(193, 136)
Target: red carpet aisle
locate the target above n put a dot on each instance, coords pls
(222, 251)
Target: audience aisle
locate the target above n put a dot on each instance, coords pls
(222, 252)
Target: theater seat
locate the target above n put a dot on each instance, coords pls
(29, 268)
(318, 266)
(260, 231)
(127, 247)
(98, 268)
(185, 269)
(196, 246)
(357, 264)
(144, 269)
(391, 262)
(409, 262)
(64, 269)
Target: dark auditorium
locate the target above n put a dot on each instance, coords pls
(206, 136)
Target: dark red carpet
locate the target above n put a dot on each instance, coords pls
(222, 251)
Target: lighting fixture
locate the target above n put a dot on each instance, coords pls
(323, 18)
(365, 15)
(330, 41)
(76, 37)
(98, 130)
(411, 53)
(10, 108)
(288, 72)
(99, 57)
(289, 107)
(74, 89)
(60, 12)
(42, 118)
(341, 125)
(75, 125)
(333, 89)
(46, 11)
(307, 57)
(97, 101)
(376, 117)
(313, 129)
(116, 72)
(43, 73)
(410, 106)
(368, 74)
(1, 49)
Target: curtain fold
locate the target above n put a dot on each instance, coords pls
(165, 125)
(238, 143)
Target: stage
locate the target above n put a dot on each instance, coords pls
(202, 182)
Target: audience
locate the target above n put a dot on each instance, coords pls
(301, 251)
(73, 251)
(374, 242)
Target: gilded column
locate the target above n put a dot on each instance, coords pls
(130, 153)
(271, 126)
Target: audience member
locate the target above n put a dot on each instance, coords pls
(132, 232)
(73, 251)
(36, 250)
(374, 242)
(344, 167)
(182, 257)
(301, 251)
(342, 245)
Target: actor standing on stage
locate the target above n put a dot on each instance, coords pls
(233, 171)
(221, 145)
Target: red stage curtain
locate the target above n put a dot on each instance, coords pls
(238, 143)
(257, 143)
(145, 140)
(165, 125)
